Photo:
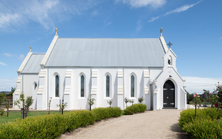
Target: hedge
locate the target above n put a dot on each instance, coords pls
(104, 113)
(204, 129)
(188, 115)
(136, 108)
(208, 123)
(53, 125)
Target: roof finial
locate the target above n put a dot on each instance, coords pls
(169, 44)
(30, 48)
(56, 29)
(161, 31)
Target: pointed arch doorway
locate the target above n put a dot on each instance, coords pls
(168, 95)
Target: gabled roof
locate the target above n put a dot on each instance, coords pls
(33, 64)
(106, 52)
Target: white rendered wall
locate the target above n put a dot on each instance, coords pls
(75, 101)
(154, 72)
(28, 87)
(139, 83)
(101, 86)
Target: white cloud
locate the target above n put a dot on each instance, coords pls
(21, 57)
(94, 13)
(6, 84)
(153, 19)
(47, 13)
(177, 10)
(143, 3)
(107, 22)
(1, 63)
(197, 84)
(7, 54)
(139, 26)
(220, 38)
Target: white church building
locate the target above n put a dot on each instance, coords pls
(72, 69)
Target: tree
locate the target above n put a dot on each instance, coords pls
(29, 102)
(196, 101)
(91, 102)
(12, 91)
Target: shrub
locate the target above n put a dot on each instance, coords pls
(47, 126)
(188, 115)
(204, 128)
(104, 113)
(136, 108)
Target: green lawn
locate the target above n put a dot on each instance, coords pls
(17, 115)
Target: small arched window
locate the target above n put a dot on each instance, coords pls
(35, 85)
(57, 86)
(170, 60)
(82, 86)
(132, 86)
(107, 86)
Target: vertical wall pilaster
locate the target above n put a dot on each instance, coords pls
(120, 89)
(42, 91)
(146, 88)
(66, 95)
(94, 87)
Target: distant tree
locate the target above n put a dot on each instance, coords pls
(12, 91)
(189, 97)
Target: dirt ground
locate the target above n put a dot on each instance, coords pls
(162, 124)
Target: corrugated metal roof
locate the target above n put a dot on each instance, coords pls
(107, 52)
(33, 65)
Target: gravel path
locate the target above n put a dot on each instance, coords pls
(162, 124)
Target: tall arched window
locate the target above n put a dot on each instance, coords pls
(107, 86)
(82, 86)
(56, 86)
(132, 86)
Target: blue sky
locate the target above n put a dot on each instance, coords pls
(193, 27)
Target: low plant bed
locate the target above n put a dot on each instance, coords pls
(207, 124)
(135, 108)
(13, 115)
(53, 125)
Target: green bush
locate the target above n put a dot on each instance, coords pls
(51, 126)
(136, 108)
(204, 128)
(47, 126)
(188, 115)
(206, 124)
(104, 113)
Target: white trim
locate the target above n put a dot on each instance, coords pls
(146, 73)
(19, 80)
(42, 73)
(146, 90)
(120, 90)
(94, 73)
(162, 40)
(40, 90)
(120, 73)
(68, 73)
(25, 61)
(67, 90)
(51, 46)
(93, 90)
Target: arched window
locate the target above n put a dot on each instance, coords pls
(35, 85)
(82, 86)
(107, 86)
(170, 60)
(132, 86)
(56, 86)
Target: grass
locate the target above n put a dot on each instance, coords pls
(17, 115)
